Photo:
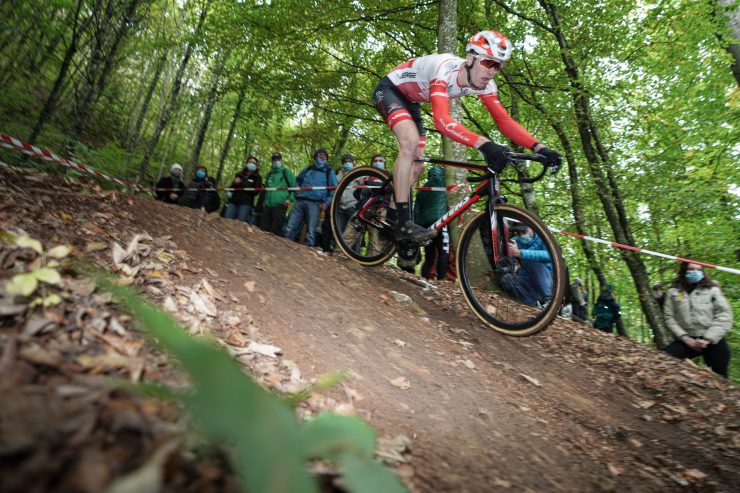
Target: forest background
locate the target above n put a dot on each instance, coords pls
(641, 97)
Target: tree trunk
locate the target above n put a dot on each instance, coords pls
(174, 94)
(578, 216)
(111, 30)
(606, 186)
(229, 136)
(208, 110)
(447, 43)
(136, 132)
(50, 104)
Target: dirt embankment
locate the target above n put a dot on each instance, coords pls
(570, 409)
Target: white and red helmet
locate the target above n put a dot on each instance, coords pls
(490, 44)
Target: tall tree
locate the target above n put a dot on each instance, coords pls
(208, 110)
(79, 25)
(166, 112)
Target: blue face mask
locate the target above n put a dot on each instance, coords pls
(379, 164)
(347, 166)
(524, 240)
(251, 167)
(694, 276)
(200, 174)
(277, 164)
(320, 163)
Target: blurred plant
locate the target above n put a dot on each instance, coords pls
(270, 448)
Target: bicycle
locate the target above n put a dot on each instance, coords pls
(511, 295)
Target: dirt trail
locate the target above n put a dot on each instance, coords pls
(570, 409)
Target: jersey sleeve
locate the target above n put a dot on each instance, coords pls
(443, 120)
(508, 126)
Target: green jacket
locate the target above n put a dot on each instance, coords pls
(429, 205)
(280, 178)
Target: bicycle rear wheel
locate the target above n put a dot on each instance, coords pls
(358, 216)
(517, 296)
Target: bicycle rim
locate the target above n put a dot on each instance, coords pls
(514, 296)
(358, 216)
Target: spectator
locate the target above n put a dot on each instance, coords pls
(579, 300)
(201, 192)
(430, 206)
(348, 162)
(533, 280)
(311, 203)
(275, 203)
(350, 202)
(173, 184)
(241, 202)
(606, 311)
(658, 294)
(699, 315)
(327, 238)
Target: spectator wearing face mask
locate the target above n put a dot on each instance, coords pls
(348, 162)
(170, 188)
(201, 193)
(534, 280)
(275, 203)
(327, 238)
(699, 316)
(241, 202)
(350, 202)
(320, 181)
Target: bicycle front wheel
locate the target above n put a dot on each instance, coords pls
(358, 216)
(514, 295)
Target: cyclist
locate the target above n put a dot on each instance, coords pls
(436, 79)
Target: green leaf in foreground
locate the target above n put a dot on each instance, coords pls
(271, 448)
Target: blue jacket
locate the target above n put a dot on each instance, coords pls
(316, 177)
(535, 251)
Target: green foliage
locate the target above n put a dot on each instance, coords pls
(658, 77)
(270, 447)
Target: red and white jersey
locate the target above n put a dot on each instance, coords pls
(415, 78)
(433, 79)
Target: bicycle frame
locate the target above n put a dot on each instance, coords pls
(490, 186)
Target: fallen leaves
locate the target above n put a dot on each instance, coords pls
(401, 383)
(531, 380)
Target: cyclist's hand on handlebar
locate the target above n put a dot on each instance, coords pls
(495, 155)
(554, 159)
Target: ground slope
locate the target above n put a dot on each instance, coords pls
(570, 409)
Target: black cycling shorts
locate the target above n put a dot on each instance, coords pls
(394, 107)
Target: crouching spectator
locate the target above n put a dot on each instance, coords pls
(699, 315)
(201, 192)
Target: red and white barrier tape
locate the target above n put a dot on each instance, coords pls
(295, 189)
(13, 144)
(642, 250)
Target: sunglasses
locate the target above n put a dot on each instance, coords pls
(490, 63)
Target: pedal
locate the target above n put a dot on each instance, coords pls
(408, 250)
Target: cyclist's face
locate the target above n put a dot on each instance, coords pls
(482, 71)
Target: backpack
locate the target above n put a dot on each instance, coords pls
(603, 314)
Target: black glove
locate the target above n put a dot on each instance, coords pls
(554, 159)
(495, 155)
